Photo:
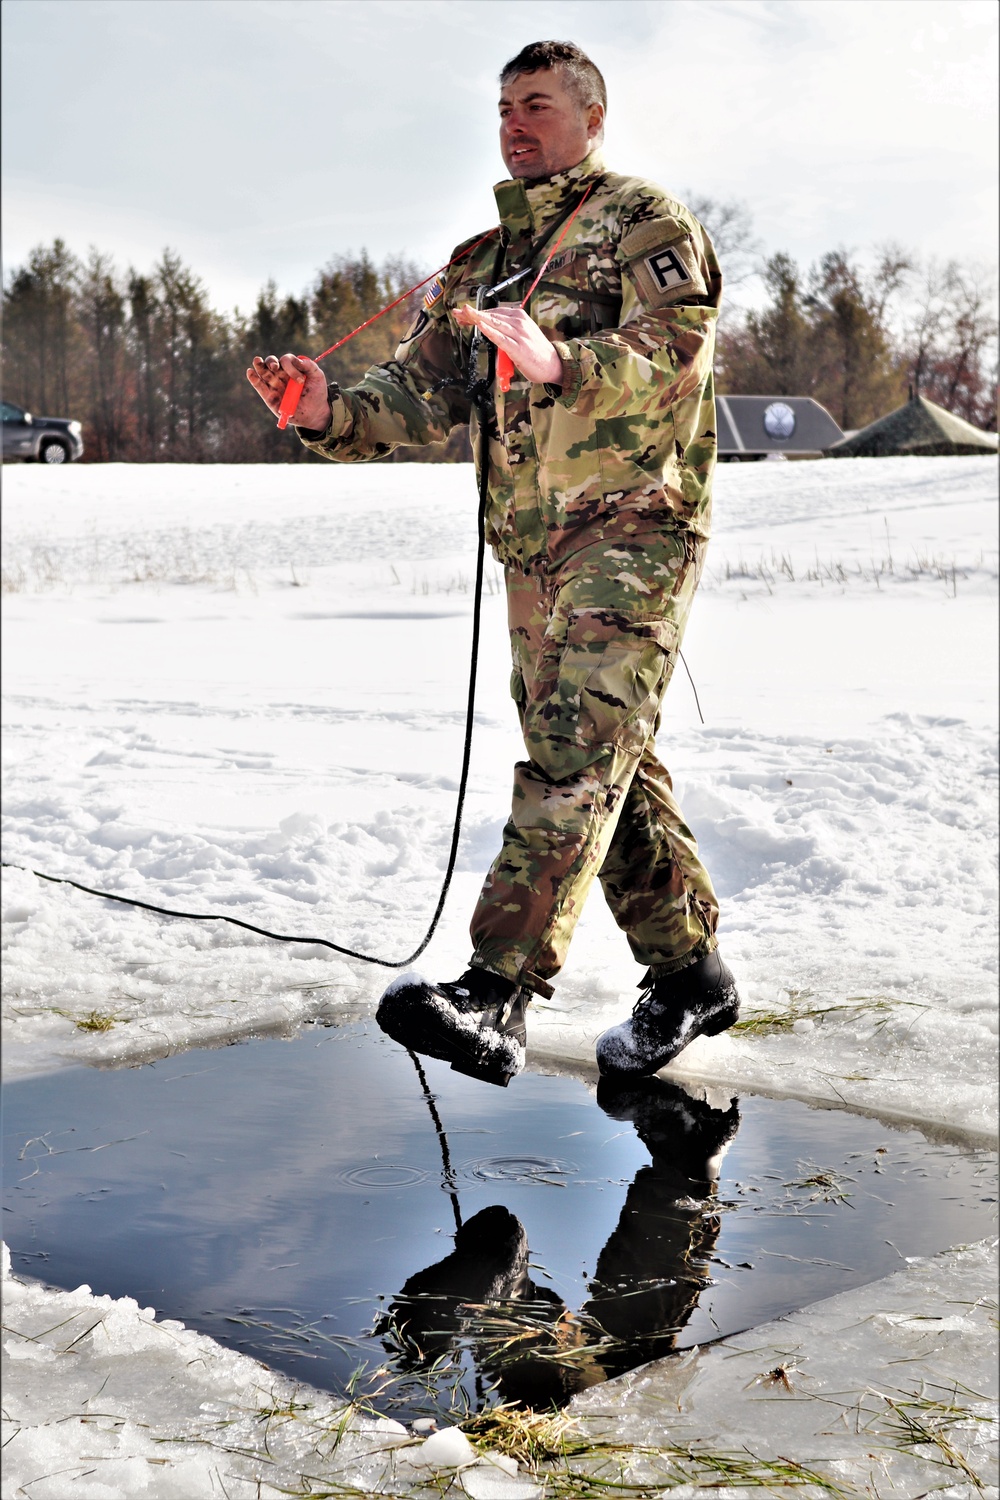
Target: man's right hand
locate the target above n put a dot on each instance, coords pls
(269, 377)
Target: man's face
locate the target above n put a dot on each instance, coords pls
(543, 130)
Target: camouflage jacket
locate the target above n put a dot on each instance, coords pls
(627, 445)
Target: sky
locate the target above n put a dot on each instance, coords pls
(258, 138)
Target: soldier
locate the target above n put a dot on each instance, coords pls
(600, 462)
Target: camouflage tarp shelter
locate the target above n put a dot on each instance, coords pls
(755, 426)
(918, 427)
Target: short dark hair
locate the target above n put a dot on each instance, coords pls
(583, 77)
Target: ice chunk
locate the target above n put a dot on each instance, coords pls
(501, 1460)
(485, 1481)
(302, 825)
(446, 1449)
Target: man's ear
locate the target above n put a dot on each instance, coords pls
(595, 121)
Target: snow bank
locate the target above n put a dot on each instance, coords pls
(277, 736)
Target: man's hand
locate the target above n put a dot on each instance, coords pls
(516, 334)
(270, 376)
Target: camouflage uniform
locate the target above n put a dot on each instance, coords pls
(599, 509)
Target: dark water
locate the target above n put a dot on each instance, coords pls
(322, 1205)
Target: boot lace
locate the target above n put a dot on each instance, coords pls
(647, 986)
(476, 989)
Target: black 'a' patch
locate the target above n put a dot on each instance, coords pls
(667, 269)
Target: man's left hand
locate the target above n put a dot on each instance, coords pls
(516, 334)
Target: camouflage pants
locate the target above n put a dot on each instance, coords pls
(594, 647)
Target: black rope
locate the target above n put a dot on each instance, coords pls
(447, 1170)
(285, 937)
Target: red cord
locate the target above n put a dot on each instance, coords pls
(293, 390)
(505, 365)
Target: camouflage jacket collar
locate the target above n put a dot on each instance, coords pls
(526, 207)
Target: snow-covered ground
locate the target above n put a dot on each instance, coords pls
(241, 689)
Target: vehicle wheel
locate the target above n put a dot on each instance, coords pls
(54, 453)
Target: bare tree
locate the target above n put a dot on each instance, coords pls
(925, 326)
(730, 225)
(949, 339)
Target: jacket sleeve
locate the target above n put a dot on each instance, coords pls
(415, 398)
(663, 348)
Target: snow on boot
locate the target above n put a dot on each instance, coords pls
(700, 1000)
(476, 1023)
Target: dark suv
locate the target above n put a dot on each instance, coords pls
(49, 440)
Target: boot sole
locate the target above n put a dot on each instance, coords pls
(482, 1073)
(401, 1024)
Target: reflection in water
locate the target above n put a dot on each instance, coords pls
(521, 1338)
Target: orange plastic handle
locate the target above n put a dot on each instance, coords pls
(505, 370)
(289, 401)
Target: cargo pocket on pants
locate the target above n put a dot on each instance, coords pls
(607, 690)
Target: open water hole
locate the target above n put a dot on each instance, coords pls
(329, 1204)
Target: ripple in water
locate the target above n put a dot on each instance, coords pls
(541, 1169)
(382, 1175)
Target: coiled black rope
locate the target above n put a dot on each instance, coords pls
(285, 937)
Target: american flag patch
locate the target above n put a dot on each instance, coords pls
(434, 292)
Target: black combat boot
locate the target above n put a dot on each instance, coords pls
(700, 1000)
(476, 1023)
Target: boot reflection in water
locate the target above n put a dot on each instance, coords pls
(648, 1279)
(656, 1262)
(481, 1295)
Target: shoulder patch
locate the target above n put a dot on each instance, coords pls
(434, 293)
(659, 254)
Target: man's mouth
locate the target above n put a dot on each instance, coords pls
(517, 151)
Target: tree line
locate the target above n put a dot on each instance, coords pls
(156, 374)
(860, 337)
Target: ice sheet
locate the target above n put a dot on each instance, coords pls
(886, 1391)
(103, 1401)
